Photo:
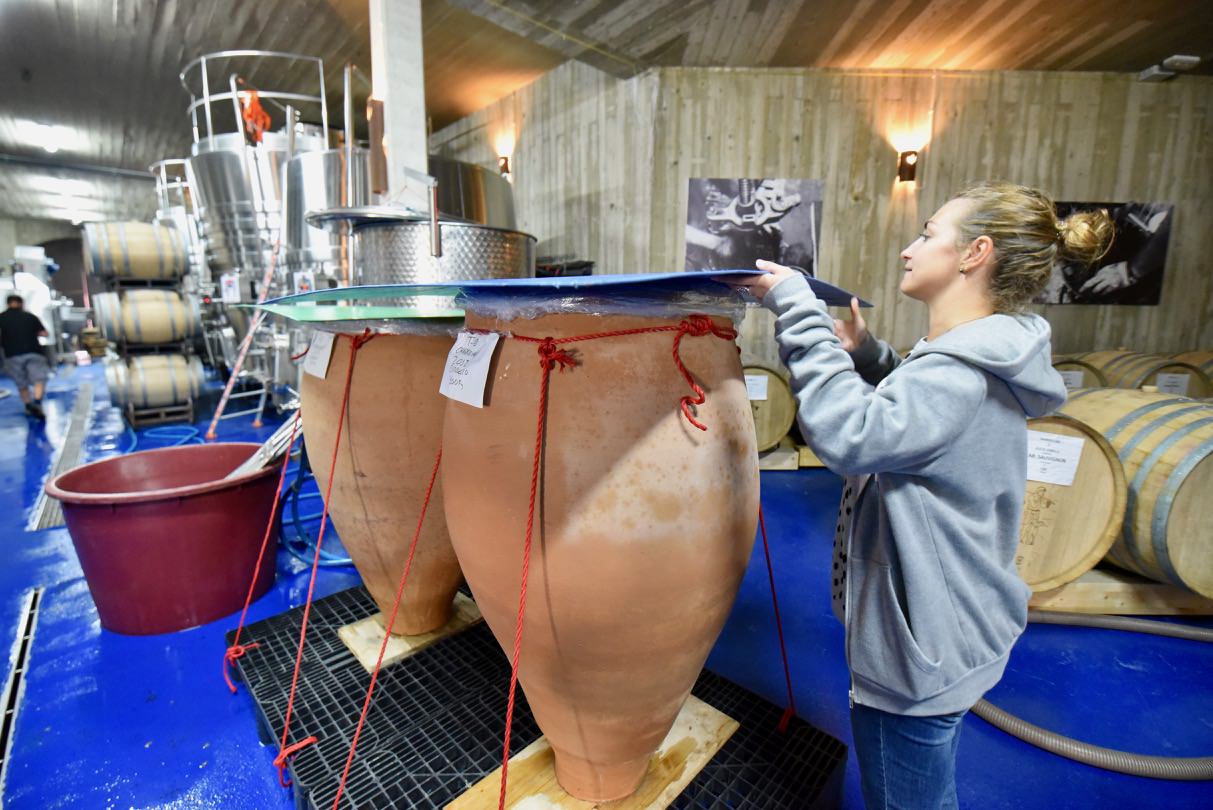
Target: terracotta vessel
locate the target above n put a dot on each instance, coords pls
(393, 427)
(643, 531)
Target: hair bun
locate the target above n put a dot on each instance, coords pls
(1085, 236)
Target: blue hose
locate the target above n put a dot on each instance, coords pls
(302, 541)
(170, 435)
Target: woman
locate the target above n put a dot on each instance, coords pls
(935, 453)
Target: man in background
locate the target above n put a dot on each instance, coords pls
(24, 357)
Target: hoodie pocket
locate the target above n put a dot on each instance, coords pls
(880, 646)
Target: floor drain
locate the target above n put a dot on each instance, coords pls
(14, 689)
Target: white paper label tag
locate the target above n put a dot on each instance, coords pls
(467, 367)
(1172, 384)
(304, 281)
(229, 288)
(1072, 379)
(1053, 459)
(316, 362)
(756, 386)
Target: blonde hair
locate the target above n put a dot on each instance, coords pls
(1029, 238)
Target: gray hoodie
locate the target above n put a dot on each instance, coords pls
(934, 601)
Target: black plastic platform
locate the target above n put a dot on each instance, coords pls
(435, 726)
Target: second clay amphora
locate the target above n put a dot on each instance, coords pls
(393, 427)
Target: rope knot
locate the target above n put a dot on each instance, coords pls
(701, 325)
(229, 659)
(550, 355)
(366, 337)
(697, 325)
(284, 756)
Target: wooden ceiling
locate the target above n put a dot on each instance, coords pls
(106, 70)
(628, 36)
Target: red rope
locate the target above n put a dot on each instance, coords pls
(301, 354)
(237, 650)
(693, 325)
(387, 632)
(551, 356)
(287, 751)
(790, 711)
(284, 758)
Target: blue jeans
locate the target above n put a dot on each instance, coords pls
(906, 763)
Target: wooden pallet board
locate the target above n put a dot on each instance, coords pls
(781, 458)
(365, 637)
(808, 458)
(1119, 592)
(698, 733)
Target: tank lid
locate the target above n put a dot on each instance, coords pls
(337, 219)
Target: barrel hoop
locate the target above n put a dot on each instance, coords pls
(1140, 380)
(1080, 394)
(107, 263)
(180, 254)
(170, 367)
(1123, 359)
(1133, 416)
(142, 381)
(176, 307)
(1124, 452)
(126, 257)
(159, 251)
(94, 247)
(1162, 506)
(136, 325)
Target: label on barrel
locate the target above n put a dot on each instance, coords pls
(1053, 459)
(1172, 384)
(319, 351)
(756, 386)
(229, 288)
(467, 367)
(1072, 379)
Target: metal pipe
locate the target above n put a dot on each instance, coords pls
(290, 136)
(31, 160)
(235, 106)
(347, 195)
(324, 103)
(435, 228)
(206, 95)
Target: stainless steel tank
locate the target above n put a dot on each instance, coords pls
(237, 185)
(316, 181)
(397, 246)
(239, 192)
(473, 193)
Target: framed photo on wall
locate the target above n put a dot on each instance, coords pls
(1131, 271)
(731, 223)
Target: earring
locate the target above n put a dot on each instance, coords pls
(963, 269)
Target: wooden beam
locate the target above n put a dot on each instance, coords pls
(551, 34)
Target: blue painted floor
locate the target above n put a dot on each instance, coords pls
(108, 721)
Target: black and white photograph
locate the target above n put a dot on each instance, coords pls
(1132, 269)
(731, 223)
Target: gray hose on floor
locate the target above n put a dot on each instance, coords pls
(1179, 768)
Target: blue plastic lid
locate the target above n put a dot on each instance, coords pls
(649, 283)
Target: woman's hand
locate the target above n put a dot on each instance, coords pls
(854, 332)
(759, 285)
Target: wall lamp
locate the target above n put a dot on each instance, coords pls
(907, 166)
(503, 166)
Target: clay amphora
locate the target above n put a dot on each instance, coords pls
(644, 529)
(392, 431)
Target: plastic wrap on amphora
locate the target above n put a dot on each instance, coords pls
(644, 528)
(393, 426)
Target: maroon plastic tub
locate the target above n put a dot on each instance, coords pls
(164, 542)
